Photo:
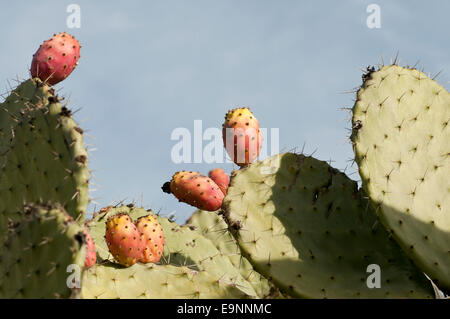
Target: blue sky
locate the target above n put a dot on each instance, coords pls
(148, 67)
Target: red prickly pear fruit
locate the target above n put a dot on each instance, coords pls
(242, 136)
(152, 237)
(195, 189)
(56, 58)
(221, 178)
(123, 239)
(91, 253)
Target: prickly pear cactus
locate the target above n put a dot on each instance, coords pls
(305, 226)
(213, 227)
(148, 281)
(43, 154)
(401, 137)
(34, 259)
(184, 247)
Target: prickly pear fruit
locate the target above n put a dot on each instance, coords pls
(123, 239)
(91, 253)
(221, 178)
(56, 58)
(152, 238)
(195, 189)
(242, 136)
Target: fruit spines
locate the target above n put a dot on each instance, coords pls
(56, 58)
(123, 239)
(242, 136)
(221, 178)
(195, 189)
(153, 239)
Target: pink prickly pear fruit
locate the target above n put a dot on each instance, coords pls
(152, 237)
(91, 253)
(221, 178)
(56, 58)
(123, 239)
(242, 136)
(195, 189)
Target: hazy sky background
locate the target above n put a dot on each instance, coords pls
(148, 67)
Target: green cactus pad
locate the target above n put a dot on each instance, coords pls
(401, 139)
(150, 281)
(25, 96)
(44, 158)
(305, 226)
(35, 257)
(184, 247)
(213, 227)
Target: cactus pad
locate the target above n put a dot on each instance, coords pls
(401, 137)
(25, 96)
(213, 227)
(37, 252)
(43, 154)
(306, 226)
(150, 281)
